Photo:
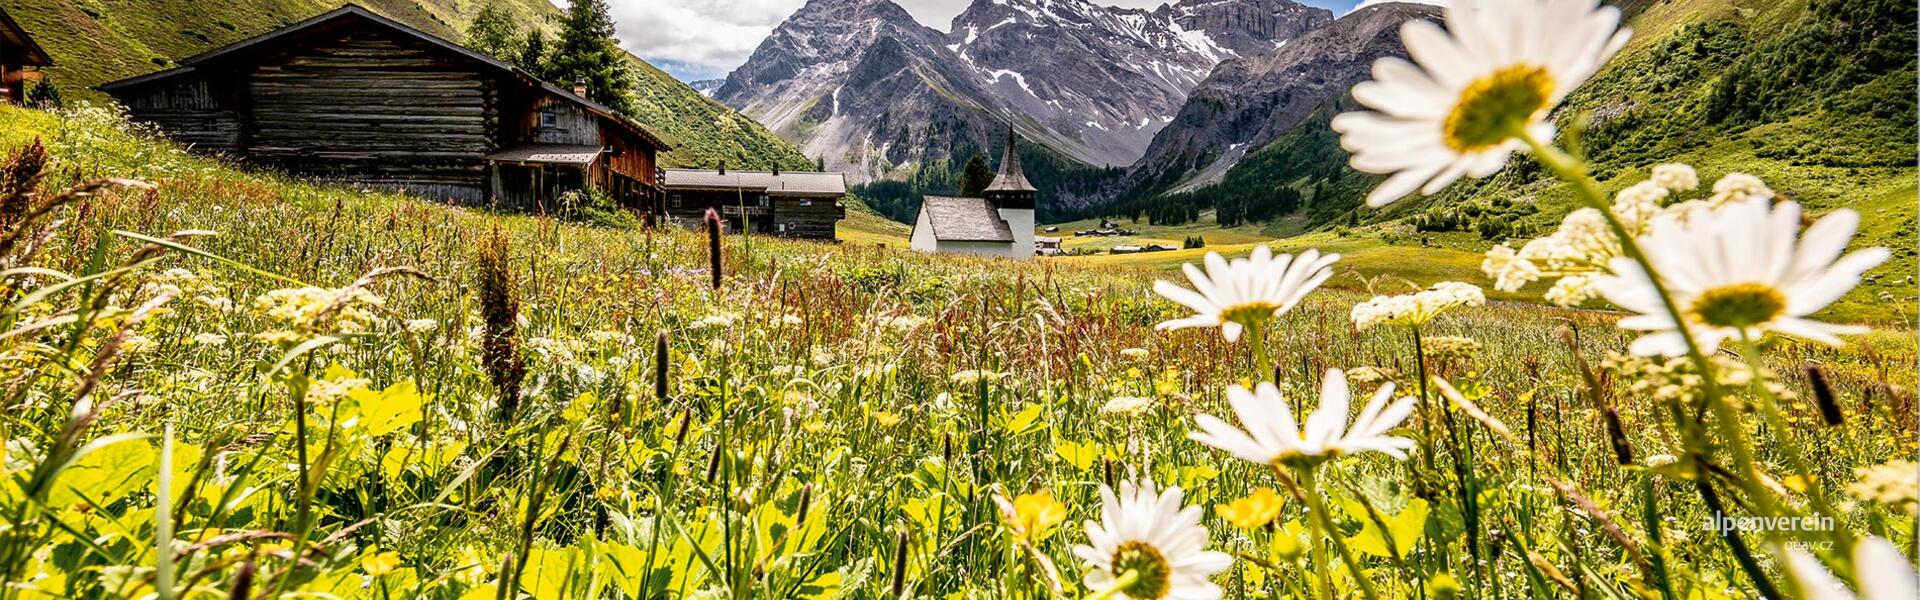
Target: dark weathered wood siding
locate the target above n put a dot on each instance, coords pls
(193, 113)
(378, 110)
(811, 218)
(788, 216)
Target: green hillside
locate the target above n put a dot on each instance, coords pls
(1814, 96)
(96, 41)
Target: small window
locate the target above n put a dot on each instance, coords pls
(549, 119)
(677, 200)
(806, 203)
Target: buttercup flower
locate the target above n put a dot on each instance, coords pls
(1153, 537)
(1256, 510)
(1741, 270)
(1031, 517)
(1247, 291)
(1272, 436)
(1473, 90)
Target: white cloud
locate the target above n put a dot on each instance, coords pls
(711, 35)
(1367, 3)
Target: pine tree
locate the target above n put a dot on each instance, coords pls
(45, 95)
(975, 177)
(494, 33)
(587, 52)
(533, 55)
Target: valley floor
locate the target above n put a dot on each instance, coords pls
(829, 420)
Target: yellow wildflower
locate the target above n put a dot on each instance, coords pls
(380, 563)
(1254, 511)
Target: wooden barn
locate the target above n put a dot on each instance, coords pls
(789, 204)
(355, 97)
(20, 60)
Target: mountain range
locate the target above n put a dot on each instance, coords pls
(873, 92)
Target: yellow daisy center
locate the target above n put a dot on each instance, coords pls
(1497, 107)
(1153, 577)
(1739, 305)
(1250, 313)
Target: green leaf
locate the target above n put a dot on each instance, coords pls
(1028, 419)
(107, 470)
(547, 570)
(389, 410)
(1081, 455)
(1406, 528)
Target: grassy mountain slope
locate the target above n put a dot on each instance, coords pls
(1814, 96)
(96, 41)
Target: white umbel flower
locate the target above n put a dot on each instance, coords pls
(1153, 536)
(1272, 436)
(1458, 109)
(1247, 291)
(1883, 573)
(1742, 269)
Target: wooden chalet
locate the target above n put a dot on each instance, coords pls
(20, 60)
(789, 204)
(356, 97)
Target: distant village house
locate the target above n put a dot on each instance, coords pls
(998, 224)
(353, 96)
(20, 60)
(789, 204)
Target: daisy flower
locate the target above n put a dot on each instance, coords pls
(1884, 573)
(1156, 539)
(1272, 436)
(1473, 90)
(1247, 291)
(1739, 271)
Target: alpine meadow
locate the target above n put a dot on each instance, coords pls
(465, 299)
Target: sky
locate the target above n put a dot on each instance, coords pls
(706, 39)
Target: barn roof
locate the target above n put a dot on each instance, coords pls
(14, 35)
(552, 154)
(965, 220)
(782, 183)
(250, 47)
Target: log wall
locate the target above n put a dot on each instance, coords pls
(376, 110)
(190, 112)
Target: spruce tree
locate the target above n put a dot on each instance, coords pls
(533, 55)
(45, 95)
(588, 52)
(975, 177)
(494, 33)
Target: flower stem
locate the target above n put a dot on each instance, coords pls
(1126, 579)
(1323, 522)
(1770, 411)
(1262, 361)
(1574, 172)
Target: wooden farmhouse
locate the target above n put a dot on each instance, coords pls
(20, 60)
(355, 97)
(790, 204)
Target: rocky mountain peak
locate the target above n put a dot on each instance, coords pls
(1248, 102)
